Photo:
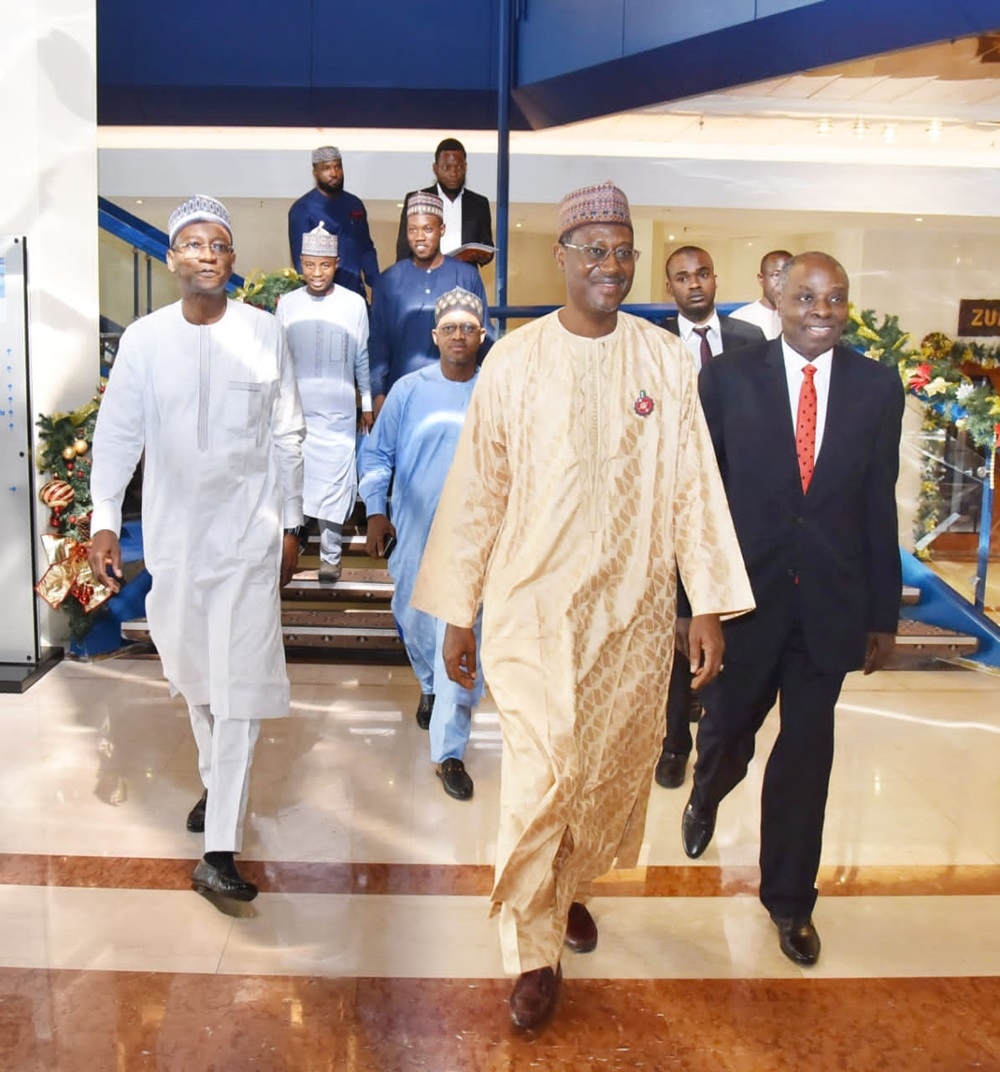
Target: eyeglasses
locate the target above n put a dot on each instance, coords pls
(194, 248)
(462, 329)
(599, 254)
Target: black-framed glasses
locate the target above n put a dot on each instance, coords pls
(193, 248)
(599, 254)
(461, 329)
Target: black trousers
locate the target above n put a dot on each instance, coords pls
(680, 699)
(797, 775)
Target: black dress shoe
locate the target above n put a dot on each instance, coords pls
(697, 828)
(424, 709)
(798, 938)
(534, 997)
(581, 930)
(670, 769)
(455, 779)
(224, 880)
(196, 816)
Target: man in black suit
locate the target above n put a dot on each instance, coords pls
(821, 551)
(691, 282)
(461, 205)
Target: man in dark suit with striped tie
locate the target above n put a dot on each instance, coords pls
(806, 433)
(691, 282)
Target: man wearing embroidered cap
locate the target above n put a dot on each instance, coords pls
(342, 214)
(583, 480)
(403, 307)
(414, 438)
(327, 329)
(205, 387)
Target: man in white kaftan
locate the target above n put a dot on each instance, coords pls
(583, 479)
(205, 387)
(327, 330)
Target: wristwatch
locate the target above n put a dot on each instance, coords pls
(299, 531)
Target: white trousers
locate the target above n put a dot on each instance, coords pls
(330, 537)
(225, 751)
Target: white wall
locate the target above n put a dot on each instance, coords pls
(48, 192)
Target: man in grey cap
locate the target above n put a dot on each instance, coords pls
(342, 214)
(205, 387)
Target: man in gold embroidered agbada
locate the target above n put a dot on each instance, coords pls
(583, 479)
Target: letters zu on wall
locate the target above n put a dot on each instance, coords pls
(979, 316)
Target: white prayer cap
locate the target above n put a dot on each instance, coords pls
(319, 243)
(457, 298)
(325, 153)
(198, 209)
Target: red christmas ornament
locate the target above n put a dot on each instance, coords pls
(72, 519)
(54, 521)
(644, 405)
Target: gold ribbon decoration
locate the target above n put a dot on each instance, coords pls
(69, 574)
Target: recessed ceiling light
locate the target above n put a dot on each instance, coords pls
(918, 219)
(889, 133)
(518, 224)
(670, 238)
(860, 128)
(138, 200)
(824, 127)
(934, 130)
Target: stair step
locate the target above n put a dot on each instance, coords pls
(919, 644)
(911, 595)
(355, 585)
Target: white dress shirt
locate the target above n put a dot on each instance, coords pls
(794, 364)
(758, 313)
(693, 341)
(452, 237)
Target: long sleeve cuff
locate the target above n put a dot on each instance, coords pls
(107, 514)
(291, 513)
(366, 401)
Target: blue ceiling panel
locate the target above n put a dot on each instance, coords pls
(789, 40)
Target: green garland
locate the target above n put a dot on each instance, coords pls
(63, 452)
(265, 291)
(933, 374)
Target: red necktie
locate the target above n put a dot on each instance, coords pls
(805, 427)
(706, 349)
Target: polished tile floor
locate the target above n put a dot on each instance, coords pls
(370, 948)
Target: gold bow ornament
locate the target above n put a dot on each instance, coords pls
(69, 574)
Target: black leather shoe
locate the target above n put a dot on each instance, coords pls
(455, 779)
(581, 930)
(424, 709)
(534, 997)
(670, 769)
(196, 816)
(798, 938)
(697, 828)
(225, 881)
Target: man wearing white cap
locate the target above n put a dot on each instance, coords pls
(342, 214)
(583, 480)
(412, 447)
(327, 330)
(403, 309)
(205, 387)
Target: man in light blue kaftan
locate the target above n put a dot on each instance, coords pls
(412, 445)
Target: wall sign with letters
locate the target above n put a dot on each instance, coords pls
(979, 316)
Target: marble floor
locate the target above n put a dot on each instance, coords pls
(370, 948)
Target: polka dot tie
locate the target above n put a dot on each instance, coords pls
(805, 427)
(706, 349)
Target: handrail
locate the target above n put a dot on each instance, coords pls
(141, 235)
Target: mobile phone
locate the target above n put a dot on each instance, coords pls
(389, 545)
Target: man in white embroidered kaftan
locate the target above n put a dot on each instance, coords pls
(583, 479)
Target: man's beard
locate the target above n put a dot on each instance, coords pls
(331, 189)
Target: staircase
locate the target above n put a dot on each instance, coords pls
(351, 620)
(331, 622)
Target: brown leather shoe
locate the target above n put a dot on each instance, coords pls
(534, 997)
(581, 930)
